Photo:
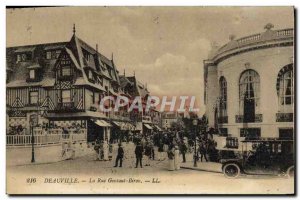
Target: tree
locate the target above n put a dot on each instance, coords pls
(177, 125)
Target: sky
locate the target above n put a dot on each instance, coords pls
(164, 46)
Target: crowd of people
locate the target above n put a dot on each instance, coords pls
(159, 146)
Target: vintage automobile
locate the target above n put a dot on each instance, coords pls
(262, 157)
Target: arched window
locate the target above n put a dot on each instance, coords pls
(285, 86)
(249, 94)
(223, 97)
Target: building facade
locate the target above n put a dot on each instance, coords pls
(249, 86)
(54, 92)
(169, 119)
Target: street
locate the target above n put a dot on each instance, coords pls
(86, 175)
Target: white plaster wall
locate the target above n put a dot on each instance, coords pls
(212, 93)
(267, 63)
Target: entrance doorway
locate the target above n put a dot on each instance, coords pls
(249, 110)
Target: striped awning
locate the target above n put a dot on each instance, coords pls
(117, 123)
(158, 128)
(102, 123)
(148, 126)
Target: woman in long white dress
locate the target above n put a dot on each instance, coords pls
(171, 159)
(105, 151)
(176, 158)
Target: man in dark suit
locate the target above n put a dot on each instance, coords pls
(119, 156)
(139, 154)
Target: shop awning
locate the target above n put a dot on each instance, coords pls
(138, 127)
(158, 128)
(102, 123)
(131, 127)
(148, 126)
(117, 123)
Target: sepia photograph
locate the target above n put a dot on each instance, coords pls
(122, 100)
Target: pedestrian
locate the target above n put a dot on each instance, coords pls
(101, 150)
(97, 148)
(105, 151)
(120, 156)
(139, 155)
(171, 159)
(176, 158)
(203, 150)
(152, 151)
(160, 150)
(147, 154)
(183, 150)
(110, 151)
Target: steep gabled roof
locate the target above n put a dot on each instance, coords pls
(124, 81)
(100, 63)
(74, 48)
(140, 88)
(20, 69)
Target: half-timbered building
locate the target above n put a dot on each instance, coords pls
(63, 84)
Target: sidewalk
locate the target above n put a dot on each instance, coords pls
(203, 166)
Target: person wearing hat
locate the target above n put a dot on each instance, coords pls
(139, 154)
(119, 156)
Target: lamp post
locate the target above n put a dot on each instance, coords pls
(195, 123)
(33, 122)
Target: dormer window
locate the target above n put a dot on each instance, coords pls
(87, 55)
(32, 74)
(23, 57)
(18, 58)
(57, 53)
(24, 54)
(100, 80)
(90, 75)
(52, 54)
(48, 55)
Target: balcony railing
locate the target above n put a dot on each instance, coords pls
(120, 117)
(284, 117)
(65, 78)
(257, 39)
(223, 120)
(65, 107)
(257, 118)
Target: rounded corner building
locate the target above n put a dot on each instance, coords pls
(249, 87)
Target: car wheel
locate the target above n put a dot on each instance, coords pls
(231, 170)
(290, 172)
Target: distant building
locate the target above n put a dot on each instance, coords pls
(169, 118)
(249, 86)
(145, 121)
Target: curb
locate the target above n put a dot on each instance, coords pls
(197, 169)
